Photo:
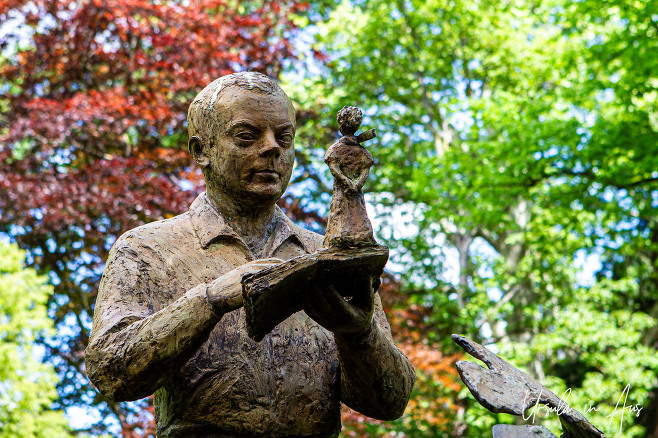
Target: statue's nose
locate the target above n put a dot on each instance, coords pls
(270, 146)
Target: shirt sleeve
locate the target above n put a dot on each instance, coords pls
(376, 377)
(126, 290)
(135, 345)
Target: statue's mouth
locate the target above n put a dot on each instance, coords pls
(266, 173)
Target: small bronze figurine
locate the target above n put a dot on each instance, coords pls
(350, 164)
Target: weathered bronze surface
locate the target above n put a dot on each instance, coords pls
(169, 317)
(503, 388)
(526, 431)
(350, 164)
(272, 295)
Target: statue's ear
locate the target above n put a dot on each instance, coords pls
(198, 152)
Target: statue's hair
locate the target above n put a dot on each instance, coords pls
(203, 117)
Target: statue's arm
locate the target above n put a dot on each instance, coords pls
(340, 176)
(376, 377)
(363, 177)
(133, 349)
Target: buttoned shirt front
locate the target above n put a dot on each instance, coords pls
(286, 385)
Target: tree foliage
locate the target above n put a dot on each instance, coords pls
(520, 138)
(517, 147)
(27, 386)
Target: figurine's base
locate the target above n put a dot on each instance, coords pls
(273, 294)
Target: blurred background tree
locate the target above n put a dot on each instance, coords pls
(516, 177)
(520, 140)
(27, 386)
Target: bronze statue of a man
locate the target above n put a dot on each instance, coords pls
(169, 318)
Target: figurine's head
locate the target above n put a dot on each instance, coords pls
(242, 131)
(349, 119)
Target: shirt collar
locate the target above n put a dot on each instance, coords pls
(210, 226)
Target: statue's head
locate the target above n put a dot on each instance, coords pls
(242, 131)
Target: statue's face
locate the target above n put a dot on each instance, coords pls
(253, 154)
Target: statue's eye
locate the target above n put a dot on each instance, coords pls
(246, 136)
(285, 138)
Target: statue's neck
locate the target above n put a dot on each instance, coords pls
(252, 222)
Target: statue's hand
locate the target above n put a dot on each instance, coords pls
(350, 315)
(351, 186)
(225, 293)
